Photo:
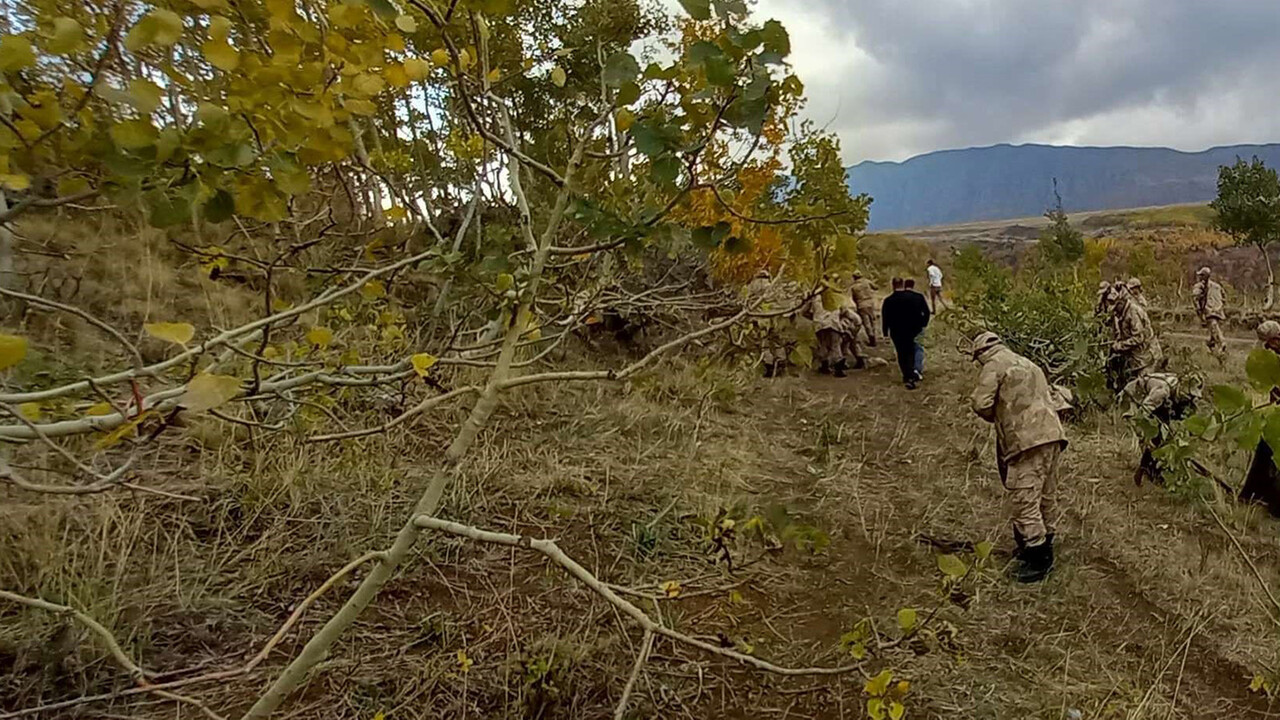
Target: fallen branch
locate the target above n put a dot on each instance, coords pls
(569, 565)
(1248, 560)
(135, 672)
(620, 712)
(120, 338)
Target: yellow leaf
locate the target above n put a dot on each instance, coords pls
(221, 55)
(900, 689)
(270, 352)
(373, 290)
(144, 95)
(359, 107)
(395, 212)
(119, 433)
(31, 411)
(66, 37)
(875, 708)
(368, 84)
(416, 68)
(99, 409)
(395, 75)
(379, 716)
(422, 363)
(504, 282)
(406, 23)
(12, 350)
(494, 75)
(671, 588)
(624, 119)
(219, 28)
(558, 77)
(877, 685)
(176, 333)
(206, 392)
(907, 619)
(896, 711)
(465, 59)
(736, 598)
(209, 4)
(15, 53)
(15, 181)
(464, 662)
(320, 336)
(440, 57)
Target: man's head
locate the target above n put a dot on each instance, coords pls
(1104, 286)
(1204, 273)
(1134, 284)
(1269, 335)
(857, 275)
(984, 342)
(909, 283)
(897, 283)
(931, 262)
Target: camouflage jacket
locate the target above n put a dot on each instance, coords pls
(1013, 393)
(1210, 300)
(1135, 337)
(823, 318)
(850, 322)
(1152, 390)
(864, 295)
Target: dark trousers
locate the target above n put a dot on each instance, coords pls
(910, 355)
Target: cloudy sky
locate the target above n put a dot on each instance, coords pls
(896, 78)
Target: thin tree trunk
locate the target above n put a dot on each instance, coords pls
(1271, 279)
(8, 279)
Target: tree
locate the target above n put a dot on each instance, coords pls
(1060, 243)
(503, 167)
(1248, 209)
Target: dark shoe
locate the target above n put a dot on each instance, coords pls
(911, 384)
(768, 370)
(824, 368)
(860, 364)
(840, 368)
(779, 369)
(1019, 543)
(872, 342)
(1035, 562)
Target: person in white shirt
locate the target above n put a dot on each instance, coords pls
(935, 286)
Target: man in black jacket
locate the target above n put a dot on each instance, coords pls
(904, 315)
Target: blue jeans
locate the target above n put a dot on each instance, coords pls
(919, 358)
(910, 357)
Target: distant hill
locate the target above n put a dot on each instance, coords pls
(1010, 181)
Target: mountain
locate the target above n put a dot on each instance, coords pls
(1009, 181)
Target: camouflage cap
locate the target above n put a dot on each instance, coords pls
(1204, 271)
(1269, 330)
(984, 341)
(1133, 283)
(1104, 285)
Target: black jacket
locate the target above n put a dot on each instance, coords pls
(904, 314)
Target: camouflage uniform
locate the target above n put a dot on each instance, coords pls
(1210, 302)
(863, 294)
(1135, 340)
(1134, 286)
(830, 331)
(1103, 305)
(1162, 397)
(850, 328)
(1013, 393)
(774, 333)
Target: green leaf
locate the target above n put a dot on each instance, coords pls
(737, 245)
(982, 550)
(558, 77)
(649, 140)
(878, 685)
(1263, 369)
(164, 210)
(206, 392)
(627, 94)
(12, 350)
(619, 69)
(875, 708)
(802, 355)
(133, 134)
(775, 38)
(67, 36)
(232, 154)
(896, 710)
(1197, 425)
(384, 9)
(697, 9)
(952, 566)
(664, 170)
(907, 619)
(1271, 430)
(144, 95)
(1229, 399)
(504, 282)
(730, 8)
(720, 71)
(220, 207)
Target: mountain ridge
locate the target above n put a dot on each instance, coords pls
(1007, 181)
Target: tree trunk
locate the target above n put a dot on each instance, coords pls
(8, 279)
(1271, 279)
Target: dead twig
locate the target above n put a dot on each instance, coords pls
(643, 657)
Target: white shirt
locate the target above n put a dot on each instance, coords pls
(935, 276)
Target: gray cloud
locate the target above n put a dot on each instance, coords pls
(899, 77)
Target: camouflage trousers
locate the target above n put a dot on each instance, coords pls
(1217, 343)
(828, 350)
(870, 321)
(1031, 479)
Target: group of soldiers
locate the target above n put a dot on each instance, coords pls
(839, 326)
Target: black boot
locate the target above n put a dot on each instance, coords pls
(768, 369)
(779, 370)
(860, 364)
(1019, 543)
(840, 368)
(1036, 562)
(824, 368)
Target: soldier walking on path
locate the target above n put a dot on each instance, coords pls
(935, 285)
(864, 299)
(1210, 302)
(1135, 343)
(830, 333)
(1013, 394)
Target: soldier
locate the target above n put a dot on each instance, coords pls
(773, 331)
(1135, 342)
(1103, 306)
(1013, 394)
(1165, 398)
(850, 329)
(1134, 286)
(830, 332)
(1210, 302)
(864, 300)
